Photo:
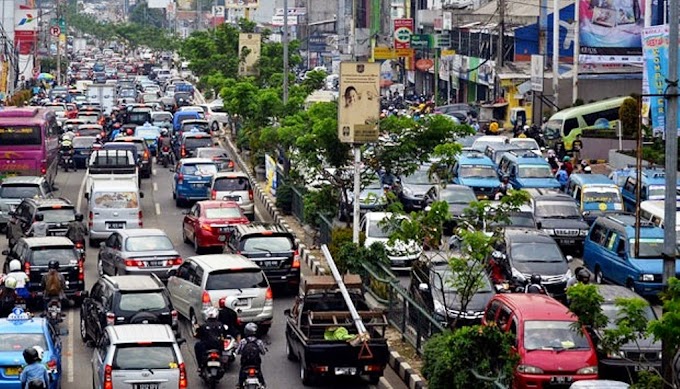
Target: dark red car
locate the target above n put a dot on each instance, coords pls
(207, 223)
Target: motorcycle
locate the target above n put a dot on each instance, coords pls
(214, 370)
(66, 159)
(165, 156)
(251, 381)
(80, 249)
(54, 312)
(228, 350)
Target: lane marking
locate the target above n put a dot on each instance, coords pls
(158, 209)
(153, 171)
(155, 187)
(81, 193)
(69, 348)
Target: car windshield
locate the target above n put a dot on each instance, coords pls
(12, 342)
(552, 129)
(462, 195)
(418, 177)
(144, 301)
(148, 243)
(268, 244)
(601, 195)
(536, 252)
(211, 153)
(444, 275)
(222, 213)
(202, 169)
(115, 200)
(192, 143)
(145, 355)
(147, 133)
(159, 117)
(229, 184)
(477, 171)
(19, 191)
(81, 142)
(43, 255)
(553, 335)
(58, 215)
(376, 229)
(649, 248)
(242, 279)
(613, 313)
(557, 209)
(535, 172)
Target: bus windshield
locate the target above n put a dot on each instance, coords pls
(20, 136)
(552, 129)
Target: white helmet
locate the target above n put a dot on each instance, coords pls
(14, 265)
(41, 352)
(229, 302)
(210, 313)
(10, 283)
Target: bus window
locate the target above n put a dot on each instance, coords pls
(569, 125)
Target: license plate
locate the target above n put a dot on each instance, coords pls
(268, 263)
(345, 371)
(146, 386)
(561, 380)
(568, 241)
(241, 303)
(156, 263)
(12, 371)
(198, 185)
(214, 364)
(115, 225)
(231, 198)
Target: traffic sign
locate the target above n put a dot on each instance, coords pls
(55, 31)
(403, 28)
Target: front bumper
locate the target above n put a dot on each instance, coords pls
(402, 262)
(544, 380)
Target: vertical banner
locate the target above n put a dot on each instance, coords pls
(359, 103)
(537, 73)
(610, 31)
(270, 173)
(655, 69)
(403, 29)
(249, 52)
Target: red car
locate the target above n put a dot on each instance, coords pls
(207, 223)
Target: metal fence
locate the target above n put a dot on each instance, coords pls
(325, 230)
(298, 205)
(414, 323)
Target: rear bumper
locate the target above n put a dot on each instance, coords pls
(190, 194)
(162, 273)
(104, 234)
(283, 277)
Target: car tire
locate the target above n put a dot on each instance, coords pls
(306, 375)
(197, 248)
(599, 276)
(373, 380)
(193, 323)
(83, 330)
(184, 237)
(93, 242)
(289, 352)
(631, 285)
(100, 267)
(179, 202)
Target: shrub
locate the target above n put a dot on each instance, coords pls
(350, 257)
(339, 236)
(322, 202)
(284, 198)
(629, 116)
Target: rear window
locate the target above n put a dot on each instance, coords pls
(19, 342)
(148, 243)
(116, 200)
(242, 279)
(222, 213)
(210, 153)
(43, 255)
(146, 301)
(84, 141)
(232, 184)
(192, 143)
(20, 136)
(268, 244)
(144, 355)
(139, 117)
(203, 169)
(19, 191)
(58, 215)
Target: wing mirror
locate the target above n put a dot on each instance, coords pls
(423, 287)
(172, 273)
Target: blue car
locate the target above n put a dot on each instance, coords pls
(478, 172)
(525, 169)
(19, 331)
(150, 134)
(82, 148)
(191, 180)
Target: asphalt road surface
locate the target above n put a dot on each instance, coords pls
(160, 212)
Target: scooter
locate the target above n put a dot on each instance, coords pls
(165, 156)
(54, 312)
(251, 381)
(214, 370)
(228, 350)
(67, 161)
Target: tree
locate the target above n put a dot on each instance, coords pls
(629, 116)
(143, 15)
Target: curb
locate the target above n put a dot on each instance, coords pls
(406, 372)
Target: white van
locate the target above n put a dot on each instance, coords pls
(653, 211)
(113, 205)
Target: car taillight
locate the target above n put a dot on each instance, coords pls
(52, 364)
(110, 319)
(81, 270)
(206, 227)
(27, 268)
(133, 263)
(166, 148)
(141, 218)
(90, 222)
(146, 154)
(43, 167)
(205, 300)
(231, 164)
(213, 194)
(175, 262)
(175, 317)
(269, 295)
(79, 245)
(250, 194)
(182, 376)
(108, 381)
(180, 179)
(183, 152)
(296, 259)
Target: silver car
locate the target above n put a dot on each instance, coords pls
(14, 189)
(138, 251)
(234, 186)
(132, 356)
(203, 280)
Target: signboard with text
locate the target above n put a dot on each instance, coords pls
(403, 29)
(537, 73)
(359, 102)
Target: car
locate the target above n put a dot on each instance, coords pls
(14, 189)
(192, 179)
(57, 213)
(141, 251)
(207, 224)
(458, 197)
(558, 215)
(217, 154)
(272, 248)
(90, 130)
(480, 143)
(525, 169)
(113, 205)
(142, 151)
(203, 280)
(190, 141)
(234, 186)
(477, 171)
(527, 144)
(595, 195)
(133, 299)
(417, 190)
(147, 354)
(401, 254)
(652, 186)
(150, 134)
(216, 115)
(641, 354)
(82, 148)
(371, 198)
(20, 331)
(35, 255)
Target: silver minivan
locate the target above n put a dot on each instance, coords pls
(133, 356)
(113, 205)
(203, 280)
(234, 186)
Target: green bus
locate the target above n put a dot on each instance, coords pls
(566, 124)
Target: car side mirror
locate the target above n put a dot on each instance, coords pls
(172, 169)
(141, 195)
(102, 245)
(186, 212)
(5, 252)
(172, 273)
(539, 225)
(287, 312)
(569, 258)
(423, 287)
(181, 341)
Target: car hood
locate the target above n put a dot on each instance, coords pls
(456, 209)
(564, 224)
(555, 360)
(476, 304)
(489, 182)
(418, 190)
(371, 196)
(542, 268)
(652, 265)
(539, 183)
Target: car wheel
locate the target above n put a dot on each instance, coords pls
(93, 243)
(289, 352)
(631, 285)
(599, 276)
(305, 375)
(179, 202)
(193, 323)
(198, 249)
(174, 195)
(83, 329)
(184, 237)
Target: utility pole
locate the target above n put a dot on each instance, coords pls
(285, 51)
(577, 51)
(501, 34)
(58, 10)
(556, 52)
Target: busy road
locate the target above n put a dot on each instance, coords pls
(159, 211)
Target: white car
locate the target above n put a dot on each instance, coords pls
(216, 115)
(527, 144)
(401, 253)
(486, 140)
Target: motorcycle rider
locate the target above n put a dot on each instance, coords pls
(504, 187)
(20, 276)
(535, 285)
(39, 227)
(66, 152)
(251, 350)
(581, 275)
(229, 317)
(165, 141)
(76, 230)
(209, 335)
(53, 283)
(34, 375)
(8, 296)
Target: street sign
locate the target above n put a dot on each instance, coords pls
(443, 41)
(537, 73)
(61, 23)
(421, 41)
(403, 29)
(404, 52)
(55, 31)
(448, 53)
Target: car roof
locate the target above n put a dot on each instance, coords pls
(185, 161)
(525, 157)
(133, 333)
(526, 235)
(212, 262)
(134, 282)
(256, 228)
(34, 325)
(475, 158)
(533, 306)
(592, 179)
(141, 232)
(48, 241)
(32, 180)
(554, 197)
(612, 292)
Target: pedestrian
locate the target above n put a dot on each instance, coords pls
(576, 148)
(553, 161)
(566, 161)
(39, 227)
(562, 177)
(559, 150)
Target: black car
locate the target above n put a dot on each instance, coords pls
(57, 213)
(126, 300)
(642, 354)
(35, 255)
(272, 248)
(458, 197)
(432, 289)
(417, 190)
(559, 216)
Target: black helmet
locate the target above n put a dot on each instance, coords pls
(583, 275)
(535, 279)
(79, 217)
(39, 217)
(31, 355)
(53, 264)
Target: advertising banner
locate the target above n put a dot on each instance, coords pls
(655, 73)
(610, 31)
(241, 3)
(403, 29)
(270, 173)
(250, 44)
(537, 73)
(359, 105)
(158, 4)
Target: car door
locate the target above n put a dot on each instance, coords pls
(194, 289)
(618, 266)
(191, 222)
(98, 361)
(93, 310)
(176, 288)
(105, 254)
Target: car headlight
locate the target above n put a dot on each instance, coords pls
(647, 277)
(583, 232)
(549, 231)
(407, 191)
(439, 308)
(616, 355)
(587, 370)
(528, 369)
(520, 277)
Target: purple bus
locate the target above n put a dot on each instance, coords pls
(29, 143)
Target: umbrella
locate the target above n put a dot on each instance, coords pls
(45, 76)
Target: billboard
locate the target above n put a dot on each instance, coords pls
(359, 103)
(537, 73)
(655, 73)
(160, 4)
(241, 3)
(249, 44)
(184, 5)
(610, 31)
(25, 19)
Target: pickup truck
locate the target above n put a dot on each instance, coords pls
(319, 312)
(111, 165)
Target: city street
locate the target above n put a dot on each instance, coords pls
(160, 212)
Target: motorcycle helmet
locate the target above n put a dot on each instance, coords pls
(210, 313)
(39, 217)
(53, 264)
(566, 158)
(79, 217)
(583, 276)
(41, 352)
(535, 279)
(250, 329)
(164, 132)
(14, 265)
(497, 255)
(31, 355)
(588, 169)
(228, 302)
(10, 283)
(129, 131)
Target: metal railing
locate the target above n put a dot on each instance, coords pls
(298, 205)
(325, 230)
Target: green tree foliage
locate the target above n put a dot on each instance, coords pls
(629, 114)
(350, 257)
(143, 15)
(586, 304)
